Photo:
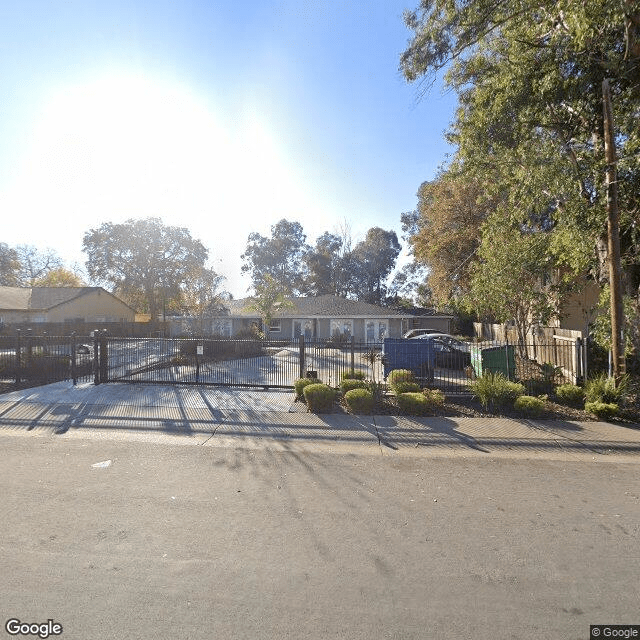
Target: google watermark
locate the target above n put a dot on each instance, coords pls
(598, 631)
(15, 627)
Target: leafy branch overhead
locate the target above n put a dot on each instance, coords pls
(528, 172)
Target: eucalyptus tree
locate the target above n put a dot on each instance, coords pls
(280, 256)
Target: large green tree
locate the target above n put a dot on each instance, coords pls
(371, 263)
(280, 256)
(144, 261)
(325, 265)
(9, 266)
(529, 127)
(202, 295)
(445, 232)
(35, 264)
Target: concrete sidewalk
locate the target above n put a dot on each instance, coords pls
(241, 418)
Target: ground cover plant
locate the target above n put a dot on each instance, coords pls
(495, 390)
(602, 410)
(529, 405)
(570, 394)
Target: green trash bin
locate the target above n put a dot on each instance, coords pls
(494, 360)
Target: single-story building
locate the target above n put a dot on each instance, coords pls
(22, 305)
(421, 318)
(315, 317)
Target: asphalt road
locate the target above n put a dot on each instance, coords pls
(169, 542)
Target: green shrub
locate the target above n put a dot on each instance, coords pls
(400, 375)
(319, 397)
(406, 387)
(352, 374)
(602, 410)
(415, 404)
(377, 389)
(495, 389)
(529, 405)
(537, 386)
(570, 394)
(603, 389)
(348, 384)
(301, 383)
(435, 397)
(360, 400)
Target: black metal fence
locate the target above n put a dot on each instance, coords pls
(27, 359)
(229, 362)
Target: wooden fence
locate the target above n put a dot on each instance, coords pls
(564, 348)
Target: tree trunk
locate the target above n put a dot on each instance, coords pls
(613, 235)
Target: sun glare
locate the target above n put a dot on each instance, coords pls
(125, 146)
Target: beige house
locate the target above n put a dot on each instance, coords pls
(579, 309)
(19, 305)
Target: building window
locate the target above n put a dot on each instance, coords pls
(275, 326)
(222, 328)
(376, 330)
(341, 328)
(303, 327)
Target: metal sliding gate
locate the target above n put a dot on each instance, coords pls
(229, 362)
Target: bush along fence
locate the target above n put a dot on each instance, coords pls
(29, 359)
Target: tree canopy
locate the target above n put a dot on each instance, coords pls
(9, 266)
(529, 127)
(332, 266)
(281, 256)
(144, 261)
(35, 264)
(372, 261)
(59, 277)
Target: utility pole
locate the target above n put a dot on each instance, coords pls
(613, 238)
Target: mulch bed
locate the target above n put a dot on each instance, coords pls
(466, 406)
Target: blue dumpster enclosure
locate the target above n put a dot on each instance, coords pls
(416, 355)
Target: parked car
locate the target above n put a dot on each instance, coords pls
(450, 353)
(415, 333)
(83, 348)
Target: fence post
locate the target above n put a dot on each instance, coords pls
(353, 353)
(18, 355)
(302, 355)
(74, 369)
(29, 349)
(506, 353)
(44, 357)
(104, 357)
(584, 354)
(96, 351)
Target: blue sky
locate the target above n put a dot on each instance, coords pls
(221, 117)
